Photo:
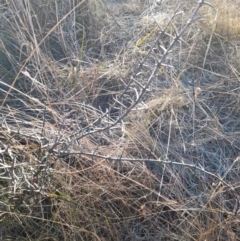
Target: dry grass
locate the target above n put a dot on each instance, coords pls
(226, 20)
(82, 158)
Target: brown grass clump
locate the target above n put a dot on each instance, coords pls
(227, 18)
(119, 120)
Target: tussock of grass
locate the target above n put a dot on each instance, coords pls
(227, 19)
(74, 165)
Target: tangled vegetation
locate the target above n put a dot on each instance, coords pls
(120, 120)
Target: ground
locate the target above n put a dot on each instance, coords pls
(119, 120)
